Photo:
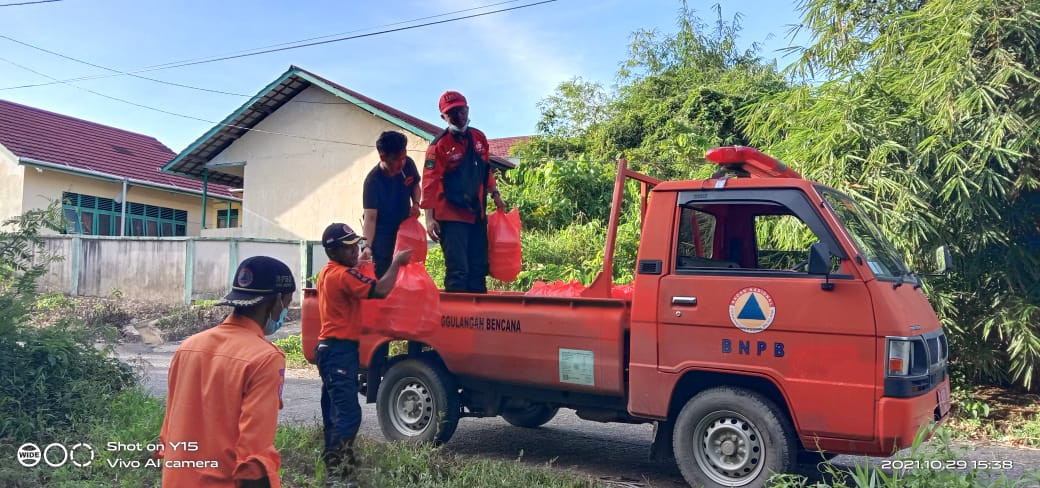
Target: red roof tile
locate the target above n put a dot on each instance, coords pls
(500, 147)
(59, 139)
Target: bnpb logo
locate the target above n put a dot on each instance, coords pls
(752, 310)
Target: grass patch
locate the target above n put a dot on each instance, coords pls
(393, 465)
(292, 346)
(994, 414)
(926, 465)
(135, 417)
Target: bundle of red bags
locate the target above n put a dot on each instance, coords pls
(413, 308)
(504, 253)
(621, 291)
(558, 288)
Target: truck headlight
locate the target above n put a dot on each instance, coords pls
(900, 355)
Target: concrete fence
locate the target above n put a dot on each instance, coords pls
(174, 269)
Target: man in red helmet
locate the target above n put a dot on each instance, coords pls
(456, 180)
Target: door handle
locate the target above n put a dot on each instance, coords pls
(691, 301)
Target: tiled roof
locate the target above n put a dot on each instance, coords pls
(500, 147)
(78, 144)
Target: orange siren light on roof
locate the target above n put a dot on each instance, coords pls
(750, 160)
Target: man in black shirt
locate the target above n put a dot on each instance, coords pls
(391, 195)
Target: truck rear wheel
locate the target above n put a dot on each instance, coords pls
(732, 437)
(418, 402)
(531, 416)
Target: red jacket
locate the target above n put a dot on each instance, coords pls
(443, 156)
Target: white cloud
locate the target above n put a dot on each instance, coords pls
(533, 57)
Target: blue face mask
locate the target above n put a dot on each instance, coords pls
(272, 326)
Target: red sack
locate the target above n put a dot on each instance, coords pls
(504, 251)
(371, 310)
(413, 308)
(621, 291)
(556, 289)
(412, 235)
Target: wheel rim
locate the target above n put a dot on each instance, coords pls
(412, 406)
(729, 448)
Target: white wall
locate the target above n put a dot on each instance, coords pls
(295, 187)
(167, 270)
(11, 177)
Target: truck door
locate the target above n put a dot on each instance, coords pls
(739, 300)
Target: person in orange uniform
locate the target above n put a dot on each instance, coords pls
(225, 387)
(456, 180)
(341, 288)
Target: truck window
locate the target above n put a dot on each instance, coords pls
(782, 242)
(696, 235)
(745, 236)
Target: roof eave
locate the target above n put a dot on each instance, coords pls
(116, 178)
(314, 80)
(223, 123)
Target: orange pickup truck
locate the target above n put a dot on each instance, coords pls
(744, 357)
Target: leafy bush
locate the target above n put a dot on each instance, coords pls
(292, 346)
(51, 378)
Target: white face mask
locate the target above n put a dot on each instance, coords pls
(458, 129)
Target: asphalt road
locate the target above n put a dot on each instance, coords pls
(612, 452)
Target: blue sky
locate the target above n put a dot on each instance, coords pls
(504, 63)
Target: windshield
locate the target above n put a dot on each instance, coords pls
(879, 254)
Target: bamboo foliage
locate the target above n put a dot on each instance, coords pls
(928, 115)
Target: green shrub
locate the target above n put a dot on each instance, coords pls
(292, 346)
(51, 378)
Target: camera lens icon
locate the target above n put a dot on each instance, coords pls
(29, 455)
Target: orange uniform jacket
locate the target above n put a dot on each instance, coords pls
(444, 155)
(340, 291)
(225, 388)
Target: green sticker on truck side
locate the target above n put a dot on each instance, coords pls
(577, 367)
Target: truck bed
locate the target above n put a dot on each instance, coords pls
(574, 344)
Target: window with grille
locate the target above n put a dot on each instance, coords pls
(227, 218)
(90, 215)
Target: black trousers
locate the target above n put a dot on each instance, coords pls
(383, 252)
(465, 256)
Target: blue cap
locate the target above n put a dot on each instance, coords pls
(259, 278)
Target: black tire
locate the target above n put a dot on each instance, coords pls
(418, 402)
(727, 437)
(534, 415)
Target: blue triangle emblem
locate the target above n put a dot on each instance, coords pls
(751, 310)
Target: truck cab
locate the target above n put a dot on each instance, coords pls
(768, 317)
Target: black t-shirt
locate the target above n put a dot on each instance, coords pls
(391, 196)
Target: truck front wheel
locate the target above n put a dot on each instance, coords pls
(418, 402)
(531, 416)
(732, 437)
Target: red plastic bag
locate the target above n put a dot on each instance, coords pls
(413, 308)
(504, 253)
(621, 291)
(412, 235)
(371, 310)
(556, 289)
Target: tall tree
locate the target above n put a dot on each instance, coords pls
(928, 113)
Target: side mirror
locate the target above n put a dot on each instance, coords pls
(819, 259)
(943, 260)
(820, 264)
